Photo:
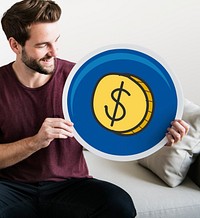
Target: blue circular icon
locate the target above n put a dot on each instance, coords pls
(136, 65)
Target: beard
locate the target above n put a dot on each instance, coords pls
(35, 65)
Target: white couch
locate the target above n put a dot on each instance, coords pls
(159, 184)
(151, 196)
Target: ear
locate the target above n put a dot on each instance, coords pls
(15, 46)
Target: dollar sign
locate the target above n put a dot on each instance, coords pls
(118, 103)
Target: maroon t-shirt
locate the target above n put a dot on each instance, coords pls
(22, 112)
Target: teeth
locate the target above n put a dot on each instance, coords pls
(47, 60)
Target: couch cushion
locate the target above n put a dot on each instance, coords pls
(171, 164)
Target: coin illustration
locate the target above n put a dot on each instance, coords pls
(122, 103)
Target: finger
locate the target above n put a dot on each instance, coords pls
(69, 123)
(170, 139)
(58, 120)
(61, 133)
(185, 125)
(60, 128)
(174, 134)
(61, 124)
(181, 127)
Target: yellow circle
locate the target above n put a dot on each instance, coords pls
(122, 103)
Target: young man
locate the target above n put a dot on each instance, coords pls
(43, 172)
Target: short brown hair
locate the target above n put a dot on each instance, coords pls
(17, 20)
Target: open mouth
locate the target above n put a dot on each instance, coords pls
(48, 61)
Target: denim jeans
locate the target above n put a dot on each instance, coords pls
(73, 198)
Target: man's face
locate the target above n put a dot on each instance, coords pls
(40, 50)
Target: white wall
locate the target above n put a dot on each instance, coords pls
(170, 28)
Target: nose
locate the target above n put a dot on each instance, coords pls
(53, 50)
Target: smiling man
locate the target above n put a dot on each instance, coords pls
(43, 172)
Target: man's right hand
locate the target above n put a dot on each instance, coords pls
(53, 128)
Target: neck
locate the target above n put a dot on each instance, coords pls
(28, 77)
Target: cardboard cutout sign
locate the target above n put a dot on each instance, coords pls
(121, 100)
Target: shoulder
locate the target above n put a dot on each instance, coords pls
(5, 71)
(64, 65)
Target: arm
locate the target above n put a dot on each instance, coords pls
(51, 129)
(178, 129)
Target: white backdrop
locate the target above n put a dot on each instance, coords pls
(170, 28)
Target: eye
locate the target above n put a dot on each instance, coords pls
(41, 45)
